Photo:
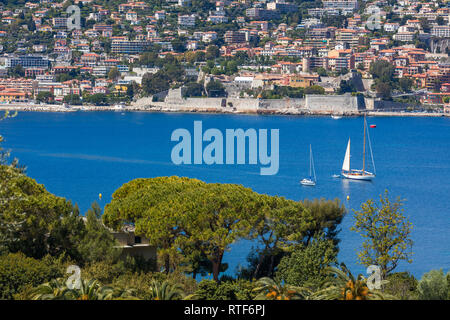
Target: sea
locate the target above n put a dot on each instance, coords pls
(78, 155)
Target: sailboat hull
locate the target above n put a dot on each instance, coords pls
(358, 175)
(307, 182)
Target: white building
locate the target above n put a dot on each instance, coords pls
(183, 3)
(209, 36)
(404, 36)
(60, 22)
(441, 31)
(218, 19)
(160, 15)
(192, 45)
(391, 27)
(186, 20)
(344, 6)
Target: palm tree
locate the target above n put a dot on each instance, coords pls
(165, 291)
(344, 286)
(121, 294)
(91, 290)
(56, 289)
(269, 289)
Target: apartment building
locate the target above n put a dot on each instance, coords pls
(28, 61)
(160, 15)
(404, 36)
(348, 36)
(339, 60)
(131, 16)
(21, 84)
(441, 31)
(282, 6)
(123, 46)
(186, 20)
(391, 27)
(321, 33)
(209, 36)
(343, 6)
(303, 80)
(60, 23)
(102, 27)
(262, 14)
(234, 37)
(12, 95)
(90, 59)
(311, 63)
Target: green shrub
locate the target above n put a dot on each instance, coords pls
(402, 285)
(139, 264)
(103, 271)
(18, 272)
(34, 221)
(142, 283)
(433, 286)
(139, 282)
(226, 290)
(448, 286)
(305, 266)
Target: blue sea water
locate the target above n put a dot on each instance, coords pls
(79, 155)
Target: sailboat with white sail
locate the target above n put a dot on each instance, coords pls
(312, 172)
(354, 173)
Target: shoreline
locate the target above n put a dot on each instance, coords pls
(225, 110)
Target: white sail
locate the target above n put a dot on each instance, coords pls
(346, 164)
(311, 164)
(310, 181)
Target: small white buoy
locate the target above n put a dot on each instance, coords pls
(348, 198)
(100, 196)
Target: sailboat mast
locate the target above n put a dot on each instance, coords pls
(310, 162)
(313, 168)
(364, 146)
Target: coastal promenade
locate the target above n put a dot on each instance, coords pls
(162, 107)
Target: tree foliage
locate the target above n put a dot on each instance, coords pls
(382, 70)
(433, 286)
(4, 154)
(192, 221)
(270, 289)
(387, 234)
(97, 243)
(402, 285)
(184, 215)
(224, 290)
(18, 271)
(344, 286)
(194, 89)
(306, 265)
(33, 220)
(215, 88)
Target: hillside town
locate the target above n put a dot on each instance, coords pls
(105, 53)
